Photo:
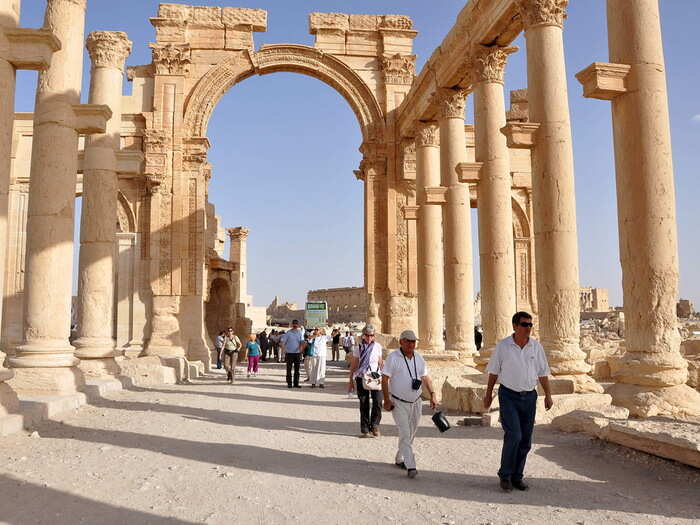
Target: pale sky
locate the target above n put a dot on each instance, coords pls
(285, 145)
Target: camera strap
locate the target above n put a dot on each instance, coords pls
(415, 369)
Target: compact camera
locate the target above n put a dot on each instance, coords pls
(416, 383)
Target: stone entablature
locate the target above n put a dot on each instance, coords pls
(345, 305)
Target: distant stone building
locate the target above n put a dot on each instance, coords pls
(594, 300)
(345, 305)
(282, 313)
(684, 309)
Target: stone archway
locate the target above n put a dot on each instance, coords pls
(219, 308)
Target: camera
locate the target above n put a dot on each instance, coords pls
(416, 383)
(375, 375)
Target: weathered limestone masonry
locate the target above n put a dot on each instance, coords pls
(650, 376)
(19, 49)
(44, 363)
(238, 254)
(95, 345)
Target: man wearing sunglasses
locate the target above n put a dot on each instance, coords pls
(517, 362)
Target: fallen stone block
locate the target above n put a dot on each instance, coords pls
(39, 408)
(591, 422)
(147, 371)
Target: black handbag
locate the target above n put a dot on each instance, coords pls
(441, 421)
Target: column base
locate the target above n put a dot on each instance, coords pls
(99, 368)
(49, 353)
(164, 351)
(47, 381)
(482, 359)
(678, 401)
(565, 357)
(93, 347)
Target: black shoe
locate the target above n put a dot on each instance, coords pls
(506, 485)
(321, 386)
(520, 484)
(289, 386)
(297, 386)
(412, 473)
(401, 465)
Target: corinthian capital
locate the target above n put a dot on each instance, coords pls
(490, 63)
(428, 135)
(542, 12)
(171, 59)
(451, 102)
(238, 234)
(108, 48)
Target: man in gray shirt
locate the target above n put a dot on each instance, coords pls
(291, 341)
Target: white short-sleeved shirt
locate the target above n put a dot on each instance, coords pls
(518, 368)
(402, 376)
(373, 359)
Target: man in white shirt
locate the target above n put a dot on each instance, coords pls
(517, 362)
(403, 377)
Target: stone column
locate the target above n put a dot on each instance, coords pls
(95, 344)
(431, 295)
(553, 192)
(651, 374)
(238, 253)
(456, 219)
(45, 363)
(495, 200)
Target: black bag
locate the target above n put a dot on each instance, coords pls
(441, 421)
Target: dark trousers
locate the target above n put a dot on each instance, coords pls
(517, 413)
(293, 360)
(335, 352)
(369, 421)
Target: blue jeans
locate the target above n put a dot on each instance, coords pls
(517, 413)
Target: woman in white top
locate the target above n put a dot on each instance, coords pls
(367, 357)
(318, 362)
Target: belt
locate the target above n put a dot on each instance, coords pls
(522, 393)
(404, 401)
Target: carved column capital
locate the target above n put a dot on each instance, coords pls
(489, 63)
(171, 59)
(108, 49)
(542, 12)
(399, 69)
(428, 134)
(451, 102)
(238, 234)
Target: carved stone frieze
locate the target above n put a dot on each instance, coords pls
(154, 141)
(399, 69)
(108, 48)
(408, 156)
(428, 135)
(401, 241)
(399, 22)
(402, 305)
(542, 12)
(451, 103)
(155, 183)
(171, 59)
(489, 63)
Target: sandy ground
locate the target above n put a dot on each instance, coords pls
(257, 452)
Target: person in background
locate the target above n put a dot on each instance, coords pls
(219, 347)
(254, 354)
(318, 366)
(309, 353)
(232, 347)
(264, 344)
(291, 342)
(348, 343)
(478, 338)
(367, 357)
(335, 345)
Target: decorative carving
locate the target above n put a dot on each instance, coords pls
(490, 63)
(364, 22)
(399, 69)
(408, 156)
(192, 241)
(256, 19)
(108, 49)
(401, 241)
(338, 22)
(402, 306)
(238, 234)
(451, 102)
(171, 59)
(428, 135)
(155, 183)
(154, 141)
(399, 22)
(542, 12)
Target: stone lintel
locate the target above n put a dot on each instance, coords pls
(520, 135)
(603, 80)
(521, 179)
(216, 263)
(91, 118)
(436, 195)
(129, 163)
(31, 48)
(410, 213)
(469, 171)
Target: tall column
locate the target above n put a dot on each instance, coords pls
(553, 192)
(238, 253)
(45, 363)
(456, 219)
(495, 200)
(96, 268)
(431, 295)
(651, 375)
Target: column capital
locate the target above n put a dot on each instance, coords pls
(451, 102)
(489, 63)
(542, 12)
(171, 59)
(108, 49)
(238, 234)
(428, 134)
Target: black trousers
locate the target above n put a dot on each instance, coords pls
(293, 360)
(369, 420)
(517, 413)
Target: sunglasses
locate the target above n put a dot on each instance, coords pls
(526, 325)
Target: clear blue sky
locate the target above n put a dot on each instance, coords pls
(285, 145)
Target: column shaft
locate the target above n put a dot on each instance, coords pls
(430, 254)
(651, 375)
(95, 343)
(459, 278)
(49, 254)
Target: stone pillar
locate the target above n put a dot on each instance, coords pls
(431, 296)
(45, 363)
(456, 219)
(553, 192)
(651, 374)
(95, 343)
(495, 200)
(238, 254)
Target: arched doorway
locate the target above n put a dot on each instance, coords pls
(218, 312)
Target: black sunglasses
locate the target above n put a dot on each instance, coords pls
(526, 325)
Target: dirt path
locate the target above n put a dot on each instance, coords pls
(257, 452)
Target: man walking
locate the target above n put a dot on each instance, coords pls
(335, 345)
(291, 342)
(348, 342)
(516, 363)
(403, 377)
